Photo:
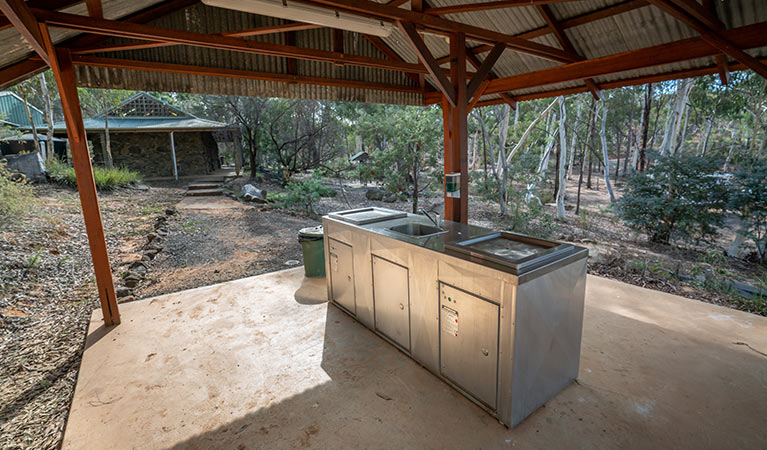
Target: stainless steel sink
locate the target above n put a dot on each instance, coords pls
(417, 229)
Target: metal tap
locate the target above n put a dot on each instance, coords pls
(437, 222)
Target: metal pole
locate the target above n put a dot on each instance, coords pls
(173, 155)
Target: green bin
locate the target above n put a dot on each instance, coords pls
(311, 240)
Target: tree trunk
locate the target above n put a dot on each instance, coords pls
(48, 117)
(572, 142)
(645, 126)
(606, 158)
(708, 134)
(618, 152)
(35, 139)
(252, 151)
(562, 170)
(580, 180)
(675, 117)
(107, 143)
(729, 153)
(680, 146)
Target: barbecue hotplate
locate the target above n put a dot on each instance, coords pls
(515, 251)
(363, 216)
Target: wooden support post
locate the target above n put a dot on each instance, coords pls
(63, 71)
(456, 133)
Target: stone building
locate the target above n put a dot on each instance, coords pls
(156, 139)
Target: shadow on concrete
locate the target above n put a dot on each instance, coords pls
(641, 386)
(311, 292)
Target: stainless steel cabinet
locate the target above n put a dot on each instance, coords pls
(342, 275)
(469, 343)
(391, 300)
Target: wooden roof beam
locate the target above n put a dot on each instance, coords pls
(609, 11)
(484, 6)
(694, 15)
(636, 81)
(151, 33)
(149, 66)
(484, 70)
(261, 31)
(44, 4)
(19, 14)
(424, 55)
(441, 25)
(474, 61)
(94, 8)
(749, 36)
(565, 42)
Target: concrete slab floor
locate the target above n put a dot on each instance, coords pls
(265, 362)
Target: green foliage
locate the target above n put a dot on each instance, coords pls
(748, 200)
(16, 195)
(676, 197)
(106, 179)
(303, 193)
(527, 218)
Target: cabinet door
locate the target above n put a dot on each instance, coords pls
(391, 301)
(468, 343)
(342, 275)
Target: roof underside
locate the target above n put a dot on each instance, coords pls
(637, 26)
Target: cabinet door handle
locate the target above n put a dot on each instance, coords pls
(485, 352)
(401, 307)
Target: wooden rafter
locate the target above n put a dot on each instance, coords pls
(506, 97)
(484, 70)
(149, 66)
(441, 25)
(699, 19)
(151, 33)
(565, 42)
(636, 81)
(45, 4)
(609, 11)
(94, 8)
(484, 6)
(272, 29)
(425, 56)
(749, 36)
(19, 14)
(384, 48)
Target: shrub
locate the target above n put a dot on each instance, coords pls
(106, 179)
(748, 200)
(16, 194)
(676, 197)
(304, 193)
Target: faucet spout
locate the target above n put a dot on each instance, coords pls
(436, 222)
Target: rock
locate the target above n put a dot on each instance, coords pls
(161, 231)
(131, 283)
(139, 264)
(132, 276)
(127, 299)
(389, 198)
(122, 291)
(374, 194)
(138, 187)
(154, 245)
(292, 262)
(149, 254)
(150, 237)
(253, 194)
(171, 210)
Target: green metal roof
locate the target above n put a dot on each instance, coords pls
(12, 112)
(148, 124)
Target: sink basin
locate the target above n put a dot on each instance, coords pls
(417, 229)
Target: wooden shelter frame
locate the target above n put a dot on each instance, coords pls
(454, 89)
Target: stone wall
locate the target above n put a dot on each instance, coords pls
(149, 153)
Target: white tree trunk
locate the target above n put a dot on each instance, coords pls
(673, 122)
(562, 161)
(603, 135)
(729, 153)
(572, 143)
(708, 134)
(107, 143)
(528, 130)
(48, 117)
(542, 165)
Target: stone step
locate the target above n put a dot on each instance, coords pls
(204, 192)
(202, 185)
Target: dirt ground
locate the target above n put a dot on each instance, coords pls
(47, 284)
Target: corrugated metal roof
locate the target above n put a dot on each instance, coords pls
(148, 124)
(635, 29)
(13, 113)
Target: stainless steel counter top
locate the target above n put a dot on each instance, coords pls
(456, 232)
